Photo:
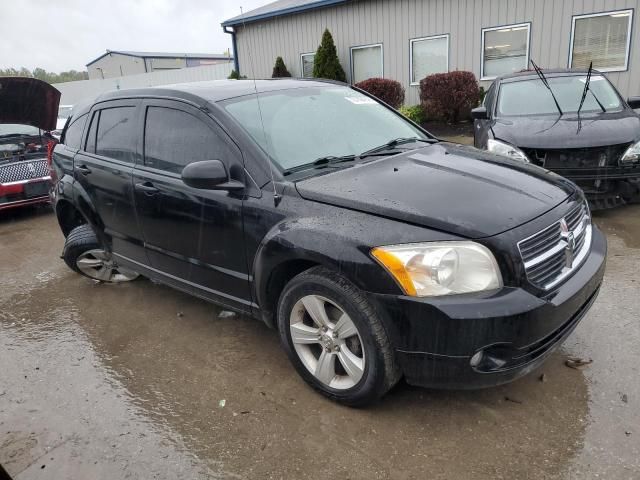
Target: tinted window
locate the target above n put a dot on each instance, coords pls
(90, 146)
(116, 133)
(73, 133)
(174, 138)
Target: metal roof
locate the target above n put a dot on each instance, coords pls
(208, 56)
(278, 8)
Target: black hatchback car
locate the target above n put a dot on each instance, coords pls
(374, 249)
(572, 122)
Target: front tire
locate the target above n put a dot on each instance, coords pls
(335, 339)
(84, 255)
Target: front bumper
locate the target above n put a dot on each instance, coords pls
(436, 338)
(607, 186)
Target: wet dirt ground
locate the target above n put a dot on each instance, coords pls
(140, 381)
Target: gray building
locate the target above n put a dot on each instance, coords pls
(407, 40)
(122, 63)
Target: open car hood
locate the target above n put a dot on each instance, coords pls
(28, 101)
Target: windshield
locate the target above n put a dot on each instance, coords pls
(304, 124)
(531, 97)
(64, 111)
(16, 129)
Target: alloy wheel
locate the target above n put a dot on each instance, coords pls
(327, 342)
(99, 265)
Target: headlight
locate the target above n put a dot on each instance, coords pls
(632, 155)
(506, 150)
(434, 269)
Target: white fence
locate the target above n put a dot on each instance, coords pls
(74, 92)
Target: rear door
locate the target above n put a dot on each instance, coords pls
(191, 234)
(104, 167)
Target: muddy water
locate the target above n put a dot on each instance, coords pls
(103, 381)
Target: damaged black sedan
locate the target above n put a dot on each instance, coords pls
(376, 251)
(574, 123)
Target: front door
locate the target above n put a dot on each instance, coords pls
(193, 235)
(104, 166)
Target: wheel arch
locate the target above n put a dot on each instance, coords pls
(292, 248)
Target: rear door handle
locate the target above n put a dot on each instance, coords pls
(147, 188)
(84, 170)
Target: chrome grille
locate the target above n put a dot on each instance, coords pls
(27, 170)
(552, 254)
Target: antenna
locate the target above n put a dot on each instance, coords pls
(276, 197)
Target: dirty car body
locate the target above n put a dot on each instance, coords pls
(28, 110)
(467, 269)
(596, 146)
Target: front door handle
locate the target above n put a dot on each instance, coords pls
(147, 188)
(83, 169)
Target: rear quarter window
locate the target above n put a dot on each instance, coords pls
(73, 133)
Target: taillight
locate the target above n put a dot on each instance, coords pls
(50, 146)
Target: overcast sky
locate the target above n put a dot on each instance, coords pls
(66, 34)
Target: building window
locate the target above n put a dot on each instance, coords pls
(428, 55)
(366, 62)
(504, 50)
(601, 38)
(306, 64)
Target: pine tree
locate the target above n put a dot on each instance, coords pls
(326, 63)
(280, 69)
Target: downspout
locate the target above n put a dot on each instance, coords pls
(236, 63)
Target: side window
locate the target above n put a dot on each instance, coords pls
(73, 133)
(174, 138)
(90, 145)
(488, 98)
(116, 133)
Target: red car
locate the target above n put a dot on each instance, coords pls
(28, 112)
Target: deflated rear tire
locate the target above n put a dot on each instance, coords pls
(84, 254)
(335, 339)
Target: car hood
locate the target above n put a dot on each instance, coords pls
(28, 101)
(456, 189)
(548, 132)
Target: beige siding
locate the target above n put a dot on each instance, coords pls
(115, 65)
(394, 22)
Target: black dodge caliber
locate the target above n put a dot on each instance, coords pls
(375, 250)
(572, 122)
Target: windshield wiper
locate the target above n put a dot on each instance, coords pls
(394, 143)
(321, 162)
(545, 82)
(586, 88)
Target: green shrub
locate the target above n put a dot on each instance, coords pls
(387, 90)
(483, 92)
(415, 113)
(236, 76)
(280, 69)
(326, 63)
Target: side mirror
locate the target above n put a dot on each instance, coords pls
(479, 113)
(209, 175)
(634, 102)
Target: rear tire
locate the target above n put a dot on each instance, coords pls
(350, 359)
(83, 254)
